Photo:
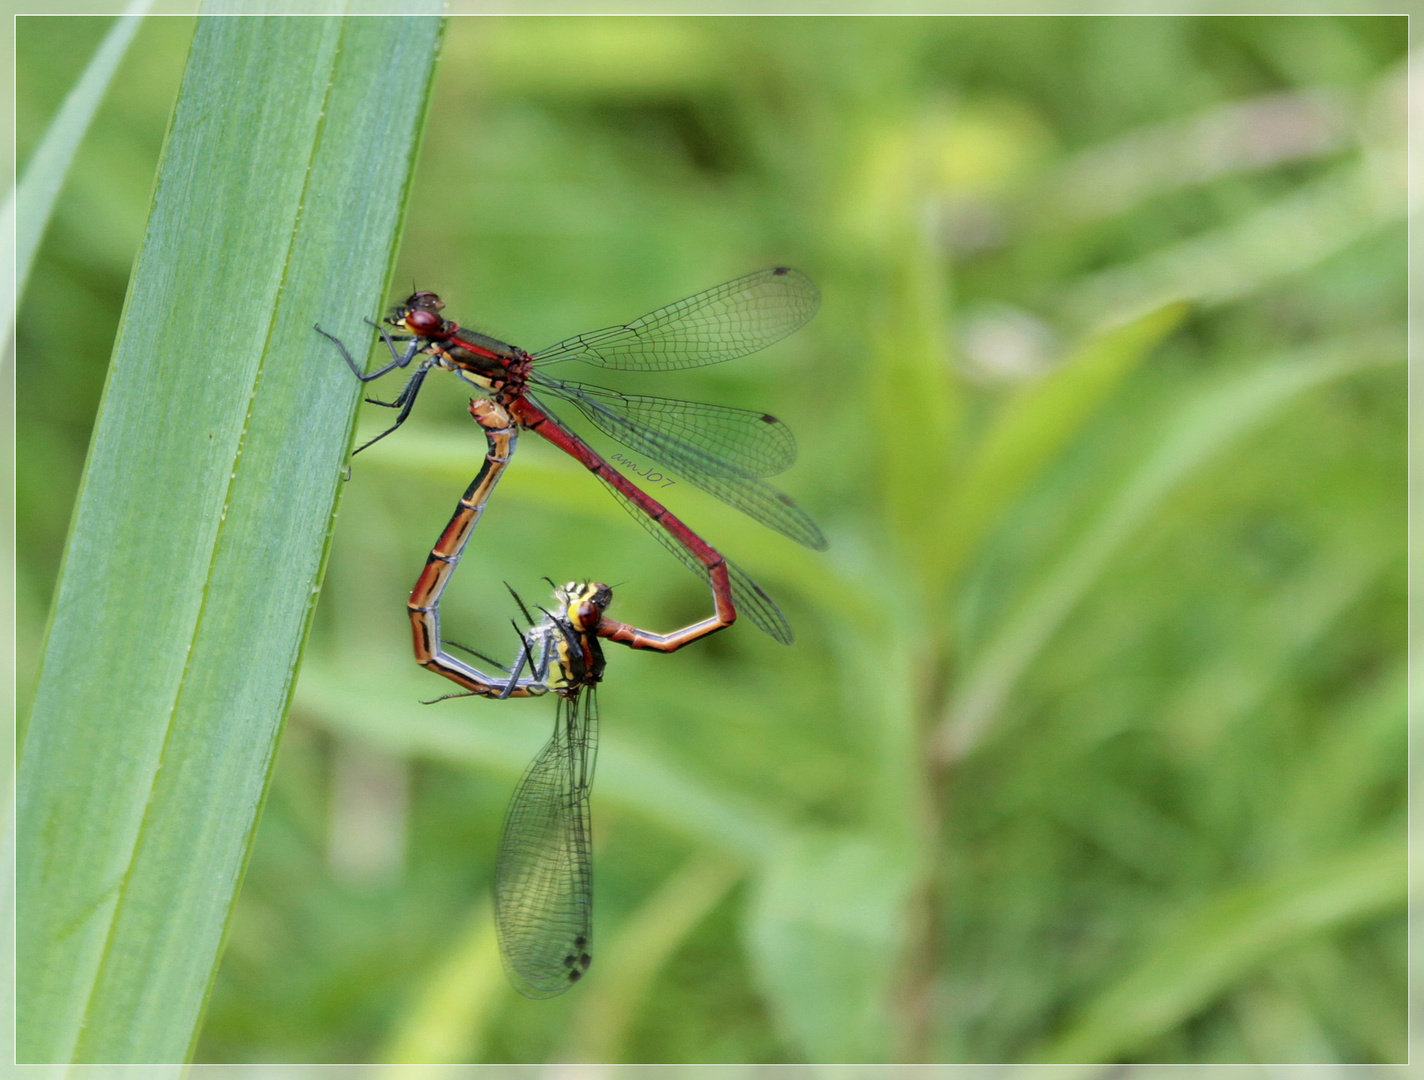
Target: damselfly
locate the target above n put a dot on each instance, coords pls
(543, 875)
(726, 452)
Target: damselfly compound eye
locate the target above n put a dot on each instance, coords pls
(421, 321)
(425, 301)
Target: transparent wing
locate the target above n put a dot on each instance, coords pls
(713, 475)
(722, 323)
(753, 443)
(747, 595)
(543, 879)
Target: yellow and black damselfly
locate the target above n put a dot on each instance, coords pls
(543, 877)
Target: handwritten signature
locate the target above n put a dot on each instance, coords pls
(651, 476)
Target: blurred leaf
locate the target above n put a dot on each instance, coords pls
(914, 391)
(200, 535)
(1207, 950)
(622, 59)
(915, 404)
(1266, 645)
(824, 933)
(667, 796)
(1336, 791)
(451, 1012)
(1202, 428)
(1035, 425)
(1298, 231)
(45, 172)
(7, 914)
(1111, 178)
(629, 964)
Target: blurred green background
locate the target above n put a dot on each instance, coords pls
(1091, 744)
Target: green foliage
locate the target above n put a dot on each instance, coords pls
(38, 188)
(1228, 937)
(1091, 742)
(201, 526)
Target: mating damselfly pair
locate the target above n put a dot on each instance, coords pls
(543, 870)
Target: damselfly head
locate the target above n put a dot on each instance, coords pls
(418, 314)
(584, 602)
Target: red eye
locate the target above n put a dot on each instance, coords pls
(586, 614)
(424, 322)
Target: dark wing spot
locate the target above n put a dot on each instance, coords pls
(575, 976)
(767, 418)
(780, 269)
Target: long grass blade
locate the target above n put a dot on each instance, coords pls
(43, 178)
(200, 534)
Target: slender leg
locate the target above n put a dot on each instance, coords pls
(407, 392)
(390, 340)
(405, 399)
(397, 359)
(520, 601)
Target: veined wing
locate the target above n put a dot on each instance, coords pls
(718, 477)
(753, 443)
(543, 879)
(747, 595)
(731, 320)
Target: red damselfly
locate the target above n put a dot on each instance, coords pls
(726, 452)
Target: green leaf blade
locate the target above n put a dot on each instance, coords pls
(201, 529)
(1037, 424)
